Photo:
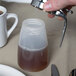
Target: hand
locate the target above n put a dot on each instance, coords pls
(53, 5)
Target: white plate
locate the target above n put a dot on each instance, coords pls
(9, 71)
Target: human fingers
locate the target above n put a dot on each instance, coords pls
(53, 5)
(51, 15)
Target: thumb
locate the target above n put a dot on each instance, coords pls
(53, 5)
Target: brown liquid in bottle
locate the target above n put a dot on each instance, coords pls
(32, 60)
(1, 12)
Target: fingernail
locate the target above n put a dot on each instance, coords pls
(47, 6)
